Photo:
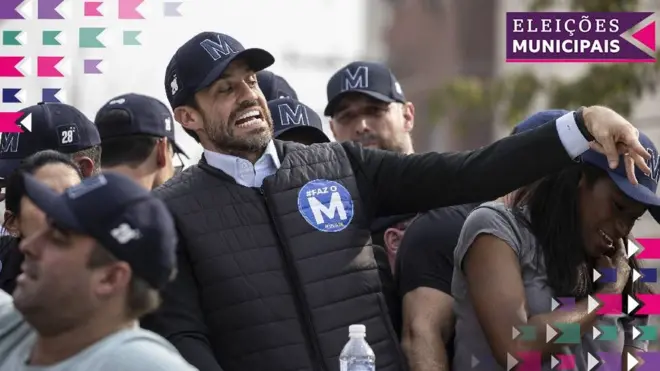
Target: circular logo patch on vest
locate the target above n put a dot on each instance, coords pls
(326, 205)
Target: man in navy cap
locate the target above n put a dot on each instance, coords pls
(366, 104)
(55, 126)
(88, 276)
(296, 122)
(137, 138)
(268, 224)
(274, 86)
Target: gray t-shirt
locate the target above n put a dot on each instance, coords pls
(132, 349)
(471, 347)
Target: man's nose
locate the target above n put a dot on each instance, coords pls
(361, 126)
(247, 93)
(31, 245)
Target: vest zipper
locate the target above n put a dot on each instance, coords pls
(299, 294)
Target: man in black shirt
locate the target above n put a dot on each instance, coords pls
(424, 267)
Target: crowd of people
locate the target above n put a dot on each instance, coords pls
(262, 255)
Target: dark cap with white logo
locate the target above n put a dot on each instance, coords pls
(274, 86)
(289, 115)
(202, 60)
(56, 126)
(124, 217)
(372, 79)
(147, 116)
(644, 192)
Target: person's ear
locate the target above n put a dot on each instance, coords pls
(408, 116)
(86, 166)
(392, 238)
(12, 224)
(189, 118)
(162, 153)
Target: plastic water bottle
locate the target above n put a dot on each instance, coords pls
(357, 355)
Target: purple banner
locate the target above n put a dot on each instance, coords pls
(574, 37)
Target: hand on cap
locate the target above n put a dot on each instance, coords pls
(615, 136)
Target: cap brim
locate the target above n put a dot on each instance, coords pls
(313, 131)
(178, 149)
(257, 59)
(54, 205)
(638, 193)
(329, 109)
(8, 166)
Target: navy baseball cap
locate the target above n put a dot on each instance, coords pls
(56, 126)
(122, 216)
(274, 86)
(369, 78)
(201, 61)
(644, 192)
(289, 114)
(538, 119)
(148, 116)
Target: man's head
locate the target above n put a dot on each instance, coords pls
(296, 122)
(107, 250)
(55, 126)
(392, 239)
(274, 86)
(366, 104)
(55, 169)
(213, 90)
(137, 138)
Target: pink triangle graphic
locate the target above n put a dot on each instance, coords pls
(646, 36)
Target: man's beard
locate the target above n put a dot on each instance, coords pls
(372, 139)
(221, 133)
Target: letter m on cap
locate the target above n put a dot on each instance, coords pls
(356, 79)
(293, 117)
(9, 142)
(217, 49)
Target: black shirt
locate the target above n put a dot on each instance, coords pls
(426, 255)
(10, 263)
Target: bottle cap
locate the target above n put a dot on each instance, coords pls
(357, 330)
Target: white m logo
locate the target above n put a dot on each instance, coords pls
(335, 207)
(293, 117)
(9, 142)
(217, 49)
(358, 79)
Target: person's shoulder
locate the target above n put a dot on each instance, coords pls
(440, 222)
(492, 210)
(180, 184)
(144, 350)
(6, 300)
(456, 212)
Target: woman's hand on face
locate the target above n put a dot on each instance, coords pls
(618, 261)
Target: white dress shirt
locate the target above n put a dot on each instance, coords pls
(243, 171)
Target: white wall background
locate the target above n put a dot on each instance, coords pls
(309, 39)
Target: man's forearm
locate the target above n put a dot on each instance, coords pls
(426, 352)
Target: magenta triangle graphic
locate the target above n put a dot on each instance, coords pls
(646, 36)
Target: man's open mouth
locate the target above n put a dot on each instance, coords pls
(249, 118)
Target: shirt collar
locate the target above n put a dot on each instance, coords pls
(231, 165)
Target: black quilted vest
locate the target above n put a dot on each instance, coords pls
(278, 295)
